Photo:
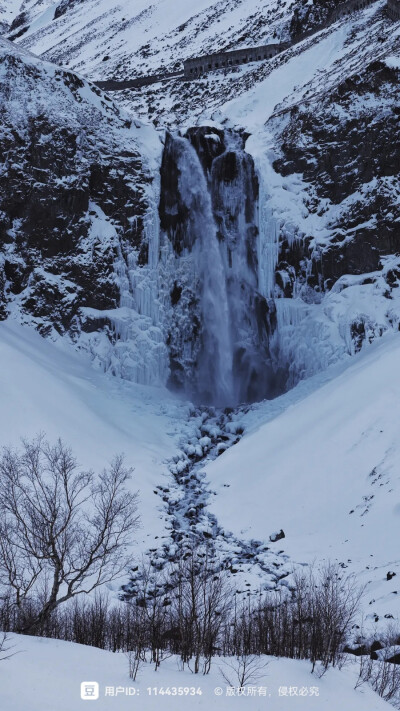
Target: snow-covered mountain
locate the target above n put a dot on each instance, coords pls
(229, 237)
(103, 238)
(107, 38)
(304, 210)
(76, 189)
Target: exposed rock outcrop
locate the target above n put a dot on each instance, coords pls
(348, 152)
(73, 198)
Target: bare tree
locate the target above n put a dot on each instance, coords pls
(63, 531)
(151, 612)
(333, 601)
(135, 660)
(201, 604)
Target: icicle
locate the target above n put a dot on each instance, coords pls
(268, 242)
(140, 353)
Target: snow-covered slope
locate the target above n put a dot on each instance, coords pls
(48, 388)
(321, 462)
(9, 9)
(45, 675)
(325, 468)
(125, 39)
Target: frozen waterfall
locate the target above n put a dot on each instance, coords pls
(215, 360)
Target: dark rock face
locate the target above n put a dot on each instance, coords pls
(375, 647)
(19, 21)
(174, 213)
(63, 183)
(65, 6)
(208, 143)
(19, 26)
(348, 150)
(307, 17)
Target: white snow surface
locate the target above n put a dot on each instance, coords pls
(323, 463)
(9, 10)
(46, 675)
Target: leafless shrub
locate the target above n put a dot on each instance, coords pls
(184, 608)
(310, 621)
(191, 611)
(331, 602)
(201, 606)
(5, 647)
(151, 614)
(135, 660)
(383, 676)
(243, 669)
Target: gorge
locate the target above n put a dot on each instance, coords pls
(190, 257)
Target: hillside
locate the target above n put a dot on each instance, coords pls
(108, 39)
(77, 195)
(233, 259)
(324, 467)
(322, 463)
(48, 388)
(326, 210)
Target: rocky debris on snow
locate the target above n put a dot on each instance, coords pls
(274, 537)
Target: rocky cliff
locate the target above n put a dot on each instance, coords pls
(75, 187)
(145, 257)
